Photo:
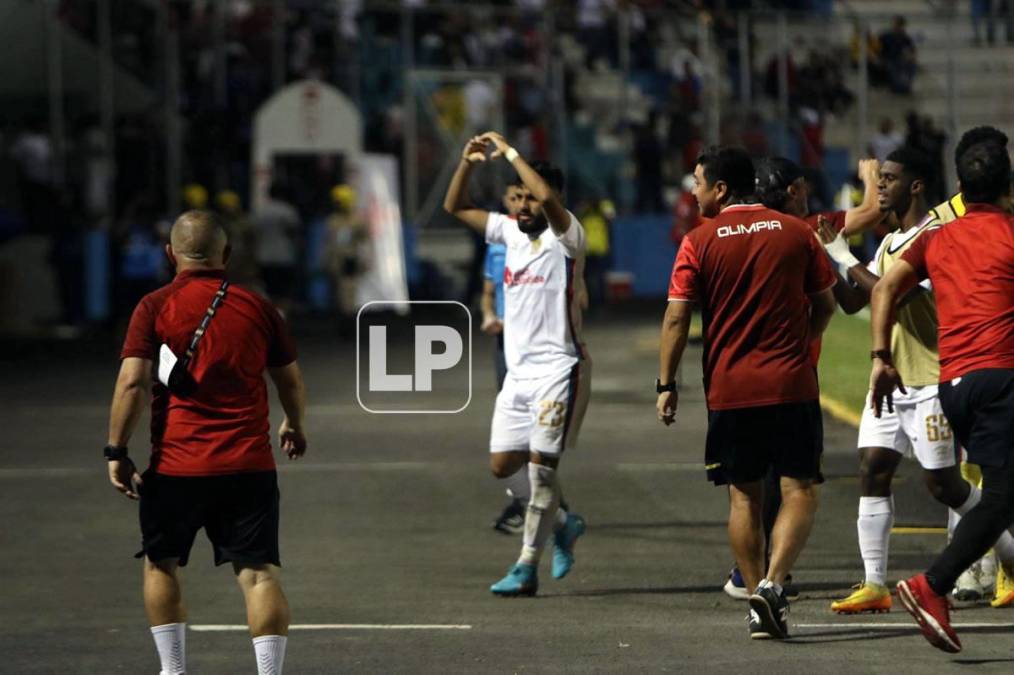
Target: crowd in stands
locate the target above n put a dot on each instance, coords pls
(359, 49)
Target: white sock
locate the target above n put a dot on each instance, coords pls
(876, 517)
(518, 485)
(171, 643)
(952, 523)
(561, 519)
(767, 582)
(540, 518)
(270, 652)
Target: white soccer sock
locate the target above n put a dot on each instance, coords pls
(1004, 546)
(270, 652)
(561, 519)
(540, 518)
(876, 517)
(171, 643)
(519, 485)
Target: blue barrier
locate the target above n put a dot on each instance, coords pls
(97, 273)
(642, 247)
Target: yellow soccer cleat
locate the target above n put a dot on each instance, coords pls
(866, 597)
(1004, 596)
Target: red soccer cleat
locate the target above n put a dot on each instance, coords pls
(930, 611)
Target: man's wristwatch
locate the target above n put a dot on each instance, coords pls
(659, 387)
(114, 452)
(882, 354)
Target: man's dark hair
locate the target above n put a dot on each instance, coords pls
(730, 165)
(774, 176)
(917, 164)
(550, 173)
(976, 135)
(984, 172)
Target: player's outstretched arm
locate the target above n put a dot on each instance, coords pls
(868, 213)
(556, 214)
(851, 298)
(456, 200)
(898, 281)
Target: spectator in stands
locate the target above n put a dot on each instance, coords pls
(32, 153)
(899, 57)
(989, 11)
(597, 219)
(243, 268)
(885, 141)
(648, 158)
(279, 234)
(596, 31)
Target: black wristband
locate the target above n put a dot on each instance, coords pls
(114, 453)
(882, 354)
(659, 387)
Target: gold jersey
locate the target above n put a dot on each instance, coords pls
(914, 337)
(950, 210)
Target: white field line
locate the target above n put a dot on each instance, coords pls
(337, 467)
(223, 628)
(900, 626)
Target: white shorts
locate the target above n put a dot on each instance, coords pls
(917, 427)
(541, 415)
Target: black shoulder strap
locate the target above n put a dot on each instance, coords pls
(199, 333)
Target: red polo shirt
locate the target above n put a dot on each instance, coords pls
(751, 269)
(223, 427)
(971, 264)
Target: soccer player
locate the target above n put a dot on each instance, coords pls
(764, 284)
(540, 407)
(976, 581)
(970, 262)
(917, 424)
(781, 186)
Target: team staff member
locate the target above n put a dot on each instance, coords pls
(764, 286)
(970, 263)
(211, 463)
(781, 186)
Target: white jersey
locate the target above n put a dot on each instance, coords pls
(539, 333)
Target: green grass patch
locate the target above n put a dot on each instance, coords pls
(845, 360)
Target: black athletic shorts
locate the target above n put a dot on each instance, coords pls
(744, 443)
(980, 407)
(239, 513)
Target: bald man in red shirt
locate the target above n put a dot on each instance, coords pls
(970, 262)
(211, 464)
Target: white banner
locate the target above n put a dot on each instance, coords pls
(378, 197)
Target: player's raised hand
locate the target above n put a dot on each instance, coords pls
(884, 379)
(825, 231)
(666, 406)
(869, 170)
(475, 150)
(499, 143)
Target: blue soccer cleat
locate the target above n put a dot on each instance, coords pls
(565, 538)
(522, 579)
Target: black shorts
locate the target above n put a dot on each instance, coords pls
(744, 443)
(980, 407)
(239, 513)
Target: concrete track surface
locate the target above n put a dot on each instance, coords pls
(388, 552)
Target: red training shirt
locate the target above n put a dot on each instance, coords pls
(223, 427)
(751, 269)
(971, 264)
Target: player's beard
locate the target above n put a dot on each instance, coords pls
(534, 226)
